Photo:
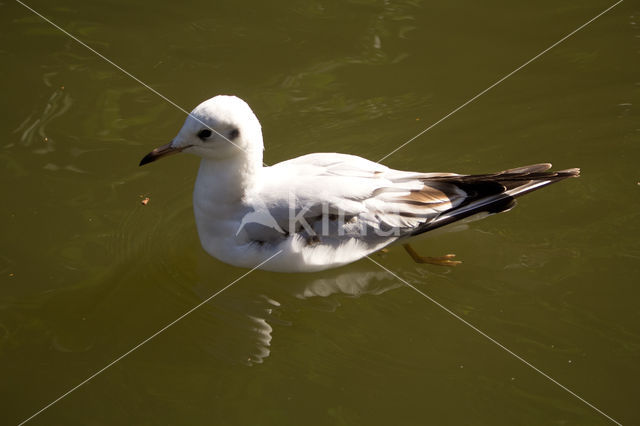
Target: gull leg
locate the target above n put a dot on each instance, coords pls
(446, 260)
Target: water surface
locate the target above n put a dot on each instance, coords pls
(87, 272)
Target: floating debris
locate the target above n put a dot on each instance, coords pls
(145, 201)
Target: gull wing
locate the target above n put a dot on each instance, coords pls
(342, 196)
(350, 190)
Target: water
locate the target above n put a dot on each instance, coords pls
(87, 271)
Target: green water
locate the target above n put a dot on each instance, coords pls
(87, 272)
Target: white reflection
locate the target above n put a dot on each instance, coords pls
(240, 322)
(263, 340)
(351, 284)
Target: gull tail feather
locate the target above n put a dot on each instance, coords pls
(493, 193)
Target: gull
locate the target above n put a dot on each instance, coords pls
(322, 210)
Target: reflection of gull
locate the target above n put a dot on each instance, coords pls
(263, 329)
(239, 327)
(352, 284)
(238, 330)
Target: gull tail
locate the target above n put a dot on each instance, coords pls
(492, 193)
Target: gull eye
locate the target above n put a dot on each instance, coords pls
(204, 134)
(234, 134)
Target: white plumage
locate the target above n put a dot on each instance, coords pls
(320, 210)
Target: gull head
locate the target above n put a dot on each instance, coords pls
(220, 128)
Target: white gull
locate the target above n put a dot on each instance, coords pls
(322, 210)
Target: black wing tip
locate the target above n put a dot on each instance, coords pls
(521, 180)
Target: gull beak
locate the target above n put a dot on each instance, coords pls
(159, 152)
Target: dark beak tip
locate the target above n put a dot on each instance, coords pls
(149, 158)
(159, 152)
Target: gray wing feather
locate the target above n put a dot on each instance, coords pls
(317, 186)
